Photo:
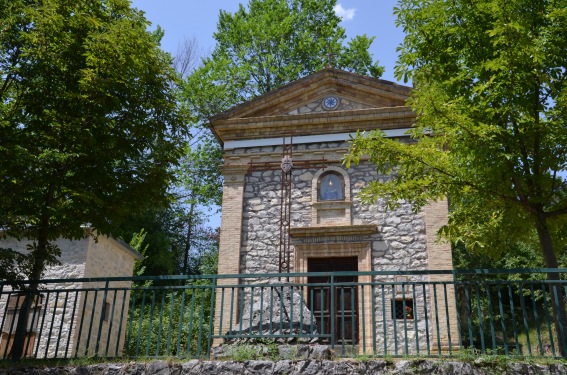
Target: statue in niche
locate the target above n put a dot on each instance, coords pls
(331, 188)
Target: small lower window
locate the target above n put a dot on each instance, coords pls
(403, 308)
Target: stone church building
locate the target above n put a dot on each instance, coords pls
(329, 228)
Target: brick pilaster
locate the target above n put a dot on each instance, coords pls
(440, 258)
(230, 242)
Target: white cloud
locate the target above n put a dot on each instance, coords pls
(344, 14)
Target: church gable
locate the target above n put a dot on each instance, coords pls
(309, 95)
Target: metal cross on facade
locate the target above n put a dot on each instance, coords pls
(286, 166)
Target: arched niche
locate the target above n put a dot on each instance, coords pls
(331, 205)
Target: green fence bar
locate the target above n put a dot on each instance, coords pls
(211, 315)
(191, 319)
(547, 318)
(384, 327)
(502, 321)
(491, 317)
(513, 315)
(181, 322)
(426, 317)
(415, 319)
(124, 304)
(525, 318)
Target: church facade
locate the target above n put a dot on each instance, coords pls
(325, 225)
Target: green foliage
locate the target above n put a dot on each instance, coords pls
(199, 191)
(268, 44)
(243, 353)
(163, 243)
(171, 323)
(491, 132)
(163, 239)
(137, 243)
(200, 180)
(517, 255)
(89, 124)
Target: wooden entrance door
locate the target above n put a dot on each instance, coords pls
(339, 312)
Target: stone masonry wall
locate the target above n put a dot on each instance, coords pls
(52, 317)
(399, 244)
(289, 367)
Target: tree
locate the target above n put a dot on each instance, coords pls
(177, 236)
(199, 188)
(163, 230)
(89, 124)
(491, 132)
(187, 57)
(271, 43)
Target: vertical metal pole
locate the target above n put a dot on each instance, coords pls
(332, 311)
(548, 320)
(285, 205)
(212, 315)
(102, 314)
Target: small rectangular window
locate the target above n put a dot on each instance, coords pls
(401, 309)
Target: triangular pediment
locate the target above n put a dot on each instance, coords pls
(316, 93)
(329, 101)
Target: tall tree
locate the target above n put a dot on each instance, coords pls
(199, 192)
(199, 184)
(270, 43)
(491, 133)
(89, 124)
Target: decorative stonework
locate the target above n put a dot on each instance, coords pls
(319, 106)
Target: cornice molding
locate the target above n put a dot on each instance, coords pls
(334, 230)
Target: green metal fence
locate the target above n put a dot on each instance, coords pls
(426, 313)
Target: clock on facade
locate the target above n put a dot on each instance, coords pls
(330, 102)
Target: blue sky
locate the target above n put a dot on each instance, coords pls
(198, 18)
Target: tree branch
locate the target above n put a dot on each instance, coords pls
(555, 213)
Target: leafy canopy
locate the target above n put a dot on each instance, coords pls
(268, 44)
(491, 131)
(89, 124)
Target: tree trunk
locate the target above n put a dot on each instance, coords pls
(39, 255)
(556, 292)
(188, 239)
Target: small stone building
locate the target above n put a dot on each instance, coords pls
(330, 229)
(75, 317)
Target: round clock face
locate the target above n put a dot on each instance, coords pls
(330, 102)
